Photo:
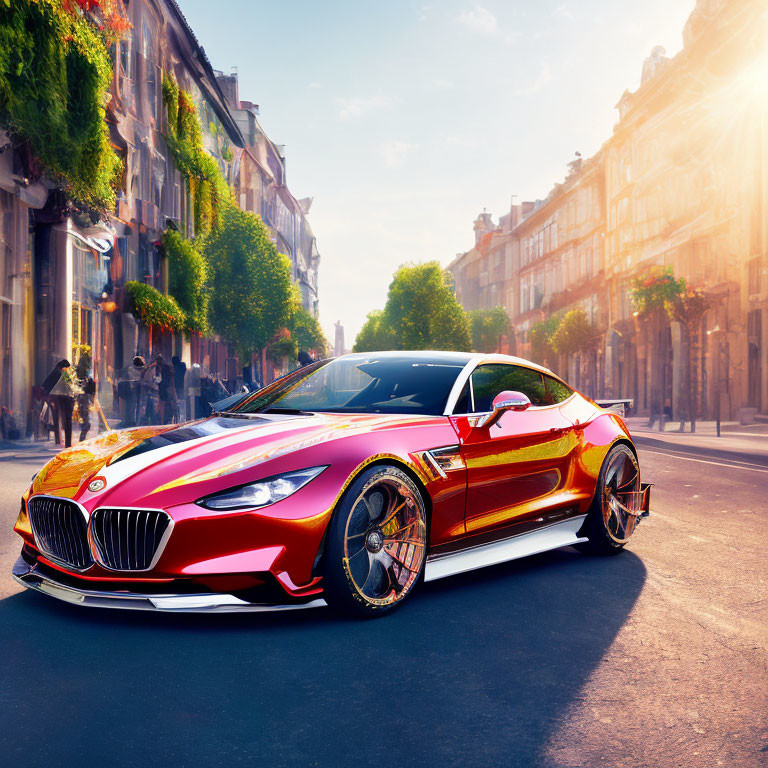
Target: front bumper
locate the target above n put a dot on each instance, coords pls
(32, 577)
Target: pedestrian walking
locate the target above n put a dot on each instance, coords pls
(149, 394)
(41, 413)
(211, 391)
(168, 402)
(128, 391)
(195, 383)
(87, 394)
(8, 426)
(62, 400)
(179, 377)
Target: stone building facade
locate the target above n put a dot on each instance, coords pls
(681, 183)
(260, 181)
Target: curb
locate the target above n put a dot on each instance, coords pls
(698, 450)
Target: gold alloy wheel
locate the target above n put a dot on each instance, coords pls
(622, 497)
(385, 540)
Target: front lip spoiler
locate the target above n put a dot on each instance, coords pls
(209, 602)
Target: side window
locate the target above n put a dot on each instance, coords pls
(555, 391)
(489, 380)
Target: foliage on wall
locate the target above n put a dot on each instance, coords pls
(688, 308)
(207, 187)
(55, 73)
(652, 291)
(154, 309)
(250, 281)
(187, 278)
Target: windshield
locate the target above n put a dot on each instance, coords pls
(360, 384)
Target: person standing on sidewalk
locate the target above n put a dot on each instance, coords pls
(42, 395)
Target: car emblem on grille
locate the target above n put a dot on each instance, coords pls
(97, 485)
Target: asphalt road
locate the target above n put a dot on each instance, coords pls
(657, 658)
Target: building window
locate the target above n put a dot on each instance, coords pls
(149, 262)
(150, 68)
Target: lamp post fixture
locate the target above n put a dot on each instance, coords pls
(717, 334)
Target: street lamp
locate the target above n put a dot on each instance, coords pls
(717, 334)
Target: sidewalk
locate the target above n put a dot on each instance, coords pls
(27, 449)
(737, 442)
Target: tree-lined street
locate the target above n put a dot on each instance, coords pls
(170, 171)
(657, 658)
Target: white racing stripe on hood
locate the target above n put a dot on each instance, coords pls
(115, 473)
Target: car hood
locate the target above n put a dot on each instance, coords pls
(157, 460)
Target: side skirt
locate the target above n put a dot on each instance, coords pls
(560, 534)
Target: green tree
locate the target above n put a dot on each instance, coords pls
(282, 347)
(305, 329)
(375, 335)
(487, 326)
(577, 335)
(422, 311)
(688, 308)
(187, 277)
(250, 281)
(541, 340)
(650, 295)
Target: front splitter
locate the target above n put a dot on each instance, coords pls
(28, 576)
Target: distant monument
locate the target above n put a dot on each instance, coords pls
(338, 344)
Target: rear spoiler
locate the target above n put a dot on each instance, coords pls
(622, 407)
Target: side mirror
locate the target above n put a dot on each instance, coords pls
(503, 402)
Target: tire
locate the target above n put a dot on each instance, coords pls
(608, 526)
(377, 543)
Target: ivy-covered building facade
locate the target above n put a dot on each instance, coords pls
(120, 275)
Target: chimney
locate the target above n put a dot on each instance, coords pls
(483, 223)
(228, 85)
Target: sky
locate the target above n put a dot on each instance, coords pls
(404, 120)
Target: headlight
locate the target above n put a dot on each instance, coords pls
(263, 493)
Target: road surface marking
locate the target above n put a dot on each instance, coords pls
(725, 463)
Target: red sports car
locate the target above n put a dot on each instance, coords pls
(345, 482)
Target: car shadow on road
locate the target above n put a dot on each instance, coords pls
(478, 669)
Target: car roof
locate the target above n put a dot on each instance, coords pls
(460, 358)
